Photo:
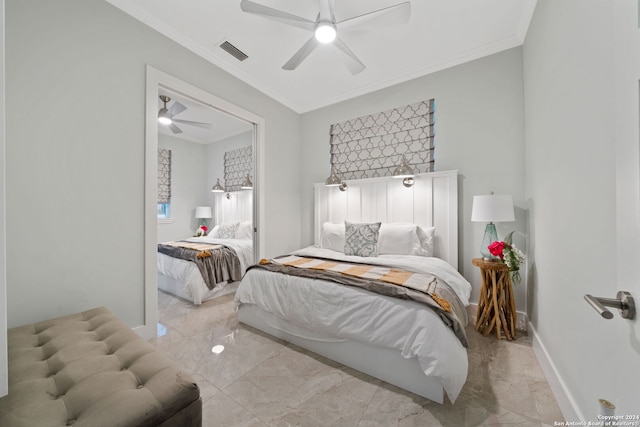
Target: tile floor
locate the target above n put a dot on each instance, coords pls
(262, 381)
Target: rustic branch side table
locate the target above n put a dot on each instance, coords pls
(496, 307)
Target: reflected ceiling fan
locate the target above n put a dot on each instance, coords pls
(326, 27)
(166, 116)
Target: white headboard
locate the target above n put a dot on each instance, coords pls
(431, 202)
(238, 207)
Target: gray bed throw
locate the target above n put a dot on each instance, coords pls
(221, 264)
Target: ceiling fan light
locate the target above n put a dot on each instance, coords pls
(163, 116)
(325, 32)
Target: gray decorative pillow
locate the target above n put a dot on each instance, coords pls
(228, 231)
(361, 239)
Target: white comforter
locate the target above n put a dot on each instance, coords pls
(352, 313)
(187, 273)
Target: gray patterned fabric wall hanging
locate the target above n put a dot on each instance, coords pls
(164, 176)
(237, 165)
(373, 145)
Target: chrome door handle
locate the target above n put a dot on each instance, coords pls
(623, 302)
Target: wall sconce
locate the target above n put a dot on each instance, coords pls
(408, 182)
(228, 196)
(335, 181)
(218, 188)
(404, 171)
(247, 184)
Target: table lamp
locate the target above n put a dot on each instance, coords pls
(490, 209)
(203, 213)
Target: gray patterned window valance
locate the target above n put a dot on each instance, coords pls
(164, 176)
(237, 165)
(372, 146)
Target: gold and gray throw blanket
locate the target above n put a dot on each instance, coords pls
(423, 288)
(216, 263)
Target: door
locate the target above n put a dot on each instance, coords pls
(624, 340)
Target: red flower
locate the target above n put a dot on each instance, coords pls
(204, 228)
(496, 249)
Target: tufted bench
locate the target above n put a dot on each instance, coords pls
(91, 369)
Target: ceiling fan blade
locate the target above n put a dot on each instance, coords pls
(392, 15)
(301, 54)
(352, 62)
(326, 10)
(277, 15)
(190, 123)
(174, 128)
(176, 108)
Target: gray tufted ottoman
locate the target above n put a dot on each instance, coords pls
(91, 369)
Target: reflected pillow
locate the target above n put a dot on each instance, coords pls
(244, 231)
(228, 231)
(214, 232)
(361, 239)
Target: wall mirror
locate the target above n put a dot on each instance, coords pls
(207, 140)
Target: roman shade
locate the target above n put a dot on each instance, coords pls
(372, 146)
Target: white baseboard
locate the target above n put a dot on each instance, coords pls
(560, 391)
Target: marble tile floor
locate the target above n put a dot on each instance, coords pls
(259, 380)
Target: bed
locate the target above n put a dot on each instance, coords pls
(184, 279)
(396, 339)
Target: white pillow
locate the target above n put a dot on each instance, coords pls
(244, 231)
(405, 239)
(214, 232)
(426, 236)
(332, 236)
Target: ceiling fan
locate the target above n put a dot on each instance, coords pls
(326, 27)
(166, 116)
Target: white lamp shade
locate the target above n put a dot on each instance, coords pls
(204, 212)
(492, 208)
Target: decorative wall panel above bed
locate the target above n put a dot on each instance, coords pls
(372, 146)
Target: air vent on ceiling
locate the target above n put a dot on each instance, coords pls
(233, 51)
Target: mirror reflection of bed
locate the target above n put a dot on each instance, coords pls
(198, 143)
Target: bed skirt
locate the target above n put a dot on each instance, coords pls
(372, 360)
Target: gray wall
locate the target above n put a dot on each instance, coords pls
(188, 184)
(573, 153)
(75, 79)
(479, 131)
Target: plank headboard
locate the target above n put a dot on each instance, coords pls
(431, 202)
(237, 207)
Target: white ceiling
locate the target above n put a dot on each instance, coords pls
(440, 34)
(222, 125)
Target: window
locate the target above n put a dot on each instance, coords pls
(164, 210)
(164, 184)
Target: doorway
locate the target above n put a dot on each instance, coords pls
(157, 82)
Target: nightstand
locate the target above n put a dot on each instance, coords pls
(496, 307)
